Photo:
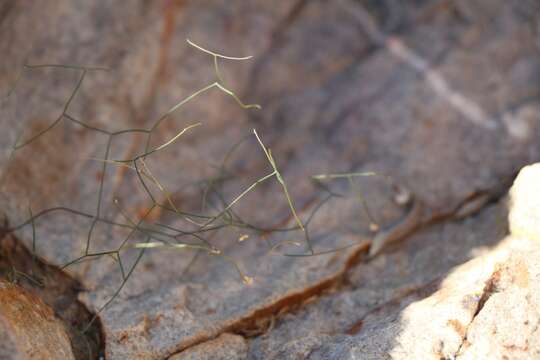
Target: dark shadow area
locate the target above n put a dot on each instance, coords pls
(19, 266)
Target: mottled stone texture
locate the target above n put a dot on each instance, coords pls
(441, 95)
(226, 346)
(486, 308)
(29, 327)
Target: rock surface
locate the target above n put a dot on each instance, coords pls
(486, 308)
(507, 325)
(29, 328)
(436, 94)
(226, 346)
(47, 287)
(524, 217)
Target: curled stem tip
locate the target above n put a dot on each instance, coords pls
(199, 47)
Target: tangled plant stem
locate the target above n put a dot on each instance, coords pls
(165, 236)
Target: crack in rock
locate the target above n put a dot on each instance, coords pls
(489, 289)
(261, 320)
(56, 289)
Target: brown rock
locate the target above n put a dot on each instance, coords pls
(29, 328)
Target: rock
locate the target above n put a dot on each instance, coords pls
(333, 100)
(29, 327)
(524, 217)
(224, 347)
(486, 308)
(507, 324)
(506, 327)
(49, 285)
(436, 327)
(402, 303)
(474, 314)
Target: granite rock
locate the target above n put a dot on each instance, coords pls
(440, 98)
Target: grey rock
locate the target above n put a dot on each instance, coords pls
(402, 303)
(333, 101)
(473, 314)
(224, 347)
(486, 308)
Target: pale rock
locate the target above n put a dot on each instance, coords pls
(524, 216)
